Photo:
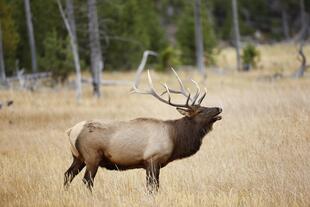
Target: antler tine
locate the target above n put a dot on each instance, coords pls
(136, 90)
(172, 91)
(168, 92)
(149, 78)
(202, 97)
(197, 92)
(151, 91)
(188, 98)
(183, 90)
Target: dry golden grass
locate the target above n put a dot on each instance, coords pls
(258, 155)
(275, 58)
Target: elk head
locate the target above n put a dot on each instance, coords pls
(192, 108)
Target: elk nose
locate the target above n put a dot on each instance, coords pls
(220, 110)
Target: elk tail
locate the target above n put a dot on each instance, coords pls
(68, 131)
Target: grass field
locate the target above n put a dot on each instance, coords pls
(258, 155)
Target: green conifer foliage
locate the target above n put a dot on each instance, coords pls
(10, 36)
(57, 57)
(186, 35)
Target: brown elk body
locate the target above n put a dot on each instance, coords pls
(140, 143)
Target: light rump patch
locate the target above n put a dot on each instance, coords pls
(73, 134)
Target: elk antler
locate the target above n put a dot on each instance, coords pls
(182, 91)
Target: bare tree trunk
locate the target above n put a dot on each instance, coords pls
(236, 31)
(71, 19)
(210, 17)
(2, 65)
(302, 34)
(299, 73)
(286, 31)
(74, 46)
(31, 36)
(198, 39)
(304, 20)
(95, 48)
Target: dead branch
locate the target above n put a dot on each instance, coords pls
(146, 53)
(32, 76)
(109, 82)
(299, 73)
(27, 81)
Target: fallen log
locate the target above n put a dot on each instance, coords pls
(109, 82)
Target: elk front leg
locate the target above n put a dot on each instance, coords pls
(152, 176)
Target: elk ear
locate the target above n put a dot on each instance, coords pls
(185, 112)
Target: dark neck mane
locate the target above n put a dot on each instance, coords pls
(187, 137)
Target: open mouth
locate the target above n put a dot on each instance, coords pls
(217, 116)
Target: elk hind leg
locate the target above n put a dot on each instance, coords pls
(76, 166)
(90, 173)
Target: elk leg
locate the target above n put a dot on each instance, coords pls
(152, 177)
(76, 166)
(89, 176)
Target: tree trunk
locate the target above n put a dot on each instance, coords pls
(31, 36)
(74, 45)
(71, 19)
(2, 65)
(236, 32)
(95, 48)
(304, 20)
(198, 39)
(299, 73)
(302, 34)
(286, 32)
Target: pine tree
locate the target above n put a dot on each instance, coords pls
(57, 56)
(10, 36)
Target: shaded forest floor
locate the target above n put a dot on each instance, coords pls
(258, 155)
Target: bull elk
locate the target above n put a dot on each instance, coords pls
(141, 143)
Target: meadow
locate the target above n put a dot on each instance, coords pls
(257, 155)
